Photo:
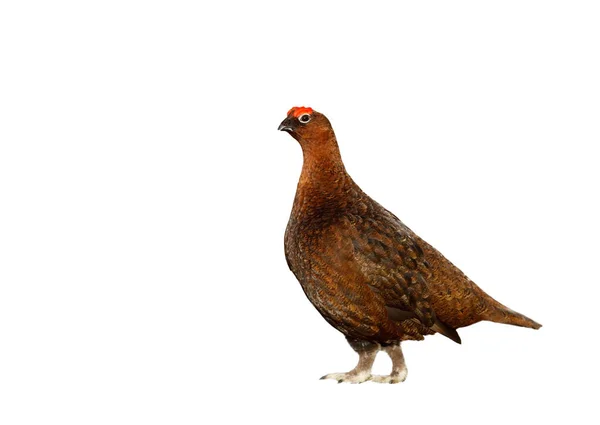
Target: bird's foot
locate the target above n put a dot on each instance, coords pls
(349, 377)
(393, 378)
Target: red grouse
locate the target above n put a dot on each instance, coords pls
(368, 274)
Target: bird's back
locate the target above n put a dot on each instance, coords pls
(454, 298)
(406, 275)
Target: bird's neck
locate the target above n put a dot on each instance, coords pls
(322, 163)
(324, 177)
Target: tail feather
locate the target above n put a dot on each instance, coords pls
(510, 317)
(447, 331)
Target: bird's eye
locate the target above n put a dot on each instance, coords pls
(304, 118)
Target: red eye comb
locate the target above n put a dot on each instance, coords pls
(299, 110)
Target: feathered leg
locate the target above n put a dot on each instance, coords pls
(399, 370)
(367, 351)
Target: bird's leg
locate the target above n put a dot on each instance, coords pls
(367, 351)
(399, 370)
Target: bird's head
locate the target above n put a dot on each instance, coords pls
(316, 137)
(306, 125)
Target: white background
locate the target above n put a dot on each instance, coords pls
(145, 190)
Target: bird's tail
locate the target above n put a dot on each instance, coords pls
(502, 314)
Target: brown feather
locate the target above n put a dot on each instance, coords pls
(367, 273)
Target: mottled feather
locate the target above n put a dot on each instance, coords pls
(367, 273)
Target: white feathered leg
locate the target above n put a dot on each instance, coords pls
(399, 370)
(362, 372)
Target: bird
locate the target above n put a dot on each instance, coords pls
(369, 275)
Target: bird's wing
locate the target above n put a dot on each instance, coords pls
(396, 269)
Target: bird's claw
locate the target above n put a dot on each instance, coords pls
(394, 378)
(349, 377)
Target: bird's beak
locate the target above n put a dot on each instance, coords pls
(287, 125)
